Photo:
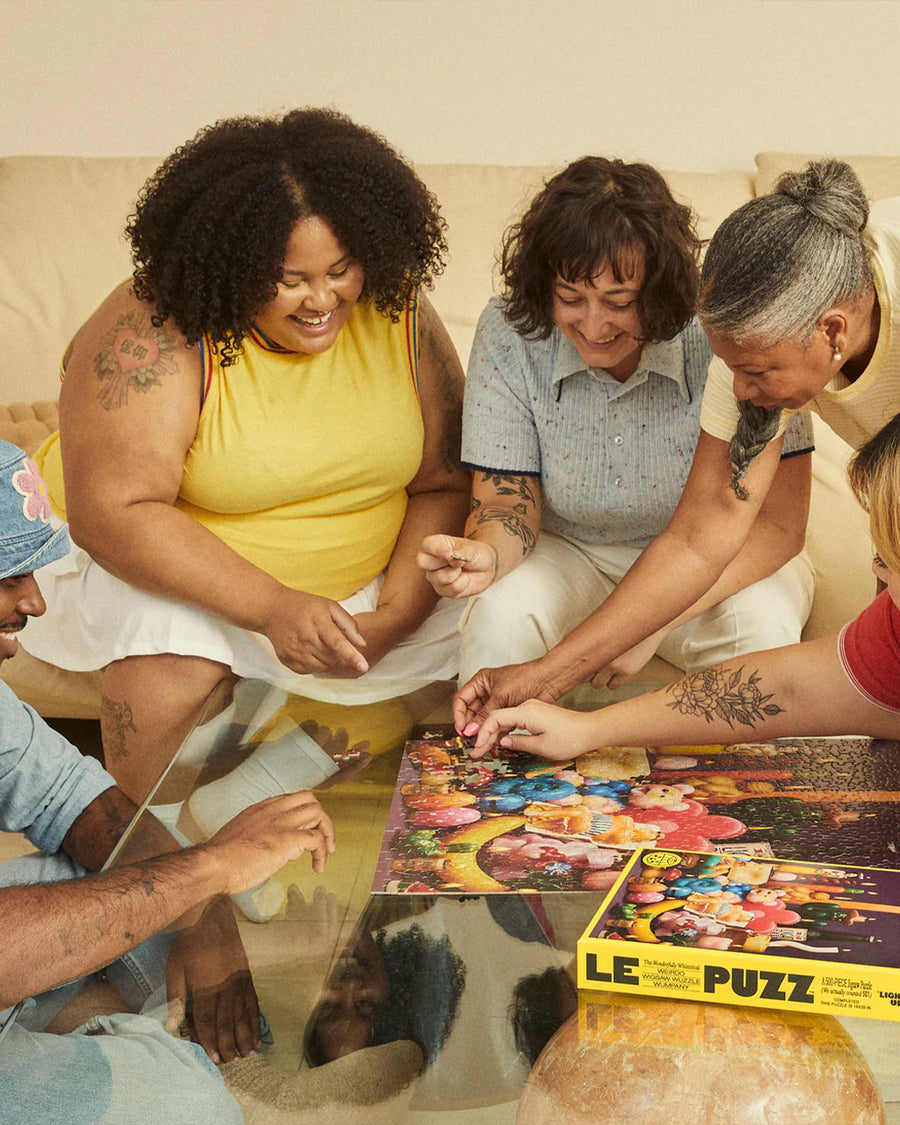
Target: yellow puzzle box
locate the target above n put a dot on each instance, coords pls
(749, 930)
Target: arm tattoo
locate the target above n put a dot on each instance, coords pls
(512, 484)
(714, 693)
(99, 828)
(512, 520)
(116, 819)
(116, 720)
(134, 354)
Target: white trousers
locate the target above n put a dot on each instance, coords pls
(93, 619)
(563, 581)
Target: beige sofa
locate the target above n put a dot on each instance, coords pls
(62, 250)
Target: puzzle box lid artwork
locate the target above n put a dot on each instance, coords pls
(741, 930)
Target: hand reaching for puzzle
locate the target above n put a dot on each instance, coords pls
(542, 729)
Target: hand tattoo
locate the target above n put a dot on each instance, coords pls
(134, 354)
(714, 693)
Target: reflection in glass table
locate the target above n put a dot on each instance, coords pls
(402, 1008)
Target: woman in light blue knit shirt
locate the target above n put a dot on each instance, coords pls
(581, 421)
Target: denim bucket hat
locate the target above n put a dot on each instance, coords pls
(27, 539)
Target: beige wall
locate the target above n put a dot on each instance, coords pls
(691, 84)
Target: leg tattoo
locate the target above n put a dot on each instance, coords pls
(117, 720)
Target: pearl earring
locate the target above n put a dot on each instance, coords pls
(836, 354)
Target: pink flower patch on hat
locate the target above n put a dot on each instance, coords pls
(29, 483)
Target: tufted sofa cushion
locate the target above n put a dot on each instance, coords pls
(27, 424)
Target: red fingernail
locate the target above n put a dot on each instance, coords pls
(471, 729)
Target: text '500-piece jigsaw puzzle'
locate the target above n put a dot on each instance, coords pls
(769, 933)
(518, 823)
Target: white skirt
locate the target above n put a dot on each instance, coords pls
(93, 619)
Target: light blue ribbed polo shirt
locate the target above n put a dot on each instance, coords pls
(612, 457)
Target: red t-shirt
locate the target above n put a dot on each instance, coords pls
(869, 648)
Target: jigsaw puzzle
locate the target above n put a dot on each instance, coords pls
(517, 823)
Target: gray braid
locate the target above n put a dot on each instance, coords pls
(755, 429)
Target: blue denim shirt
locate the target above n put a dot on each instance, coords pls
(45, 782)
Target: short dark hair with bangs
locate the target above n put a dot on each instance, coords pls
(599, 213)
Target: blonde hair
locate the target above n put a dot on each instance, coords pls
(874, 475)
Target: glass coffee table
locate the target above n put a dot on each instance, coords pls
(424, 1008)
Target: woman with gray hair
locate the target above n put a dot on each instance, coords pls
(796, 301)
(800, 299)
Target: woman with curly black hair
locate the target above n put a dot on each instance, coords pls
(256, 433)
(581, 418)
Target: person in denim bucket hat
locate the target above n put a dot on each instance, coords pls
(27, 538)
(60, 919)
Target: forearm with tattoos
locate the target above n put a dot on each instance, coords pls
(95, 833)
(505, 513)
(795, 690)
(60, 931)
(56, 932)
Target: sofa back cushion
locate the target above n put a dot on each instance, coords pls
(62, 247)
(61, 251)
(879, 175)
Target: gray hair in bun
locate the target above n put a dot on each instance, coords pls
(782, 260)
(775, 266)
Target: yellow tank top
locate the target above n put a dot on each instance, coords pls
(300, 463)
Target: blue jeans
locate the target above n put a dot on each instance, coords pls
(115, 1070)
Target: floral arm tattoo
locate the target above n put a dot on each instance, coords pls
(512, 484)
(514, 520)
(714, 693)
(134, 354)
